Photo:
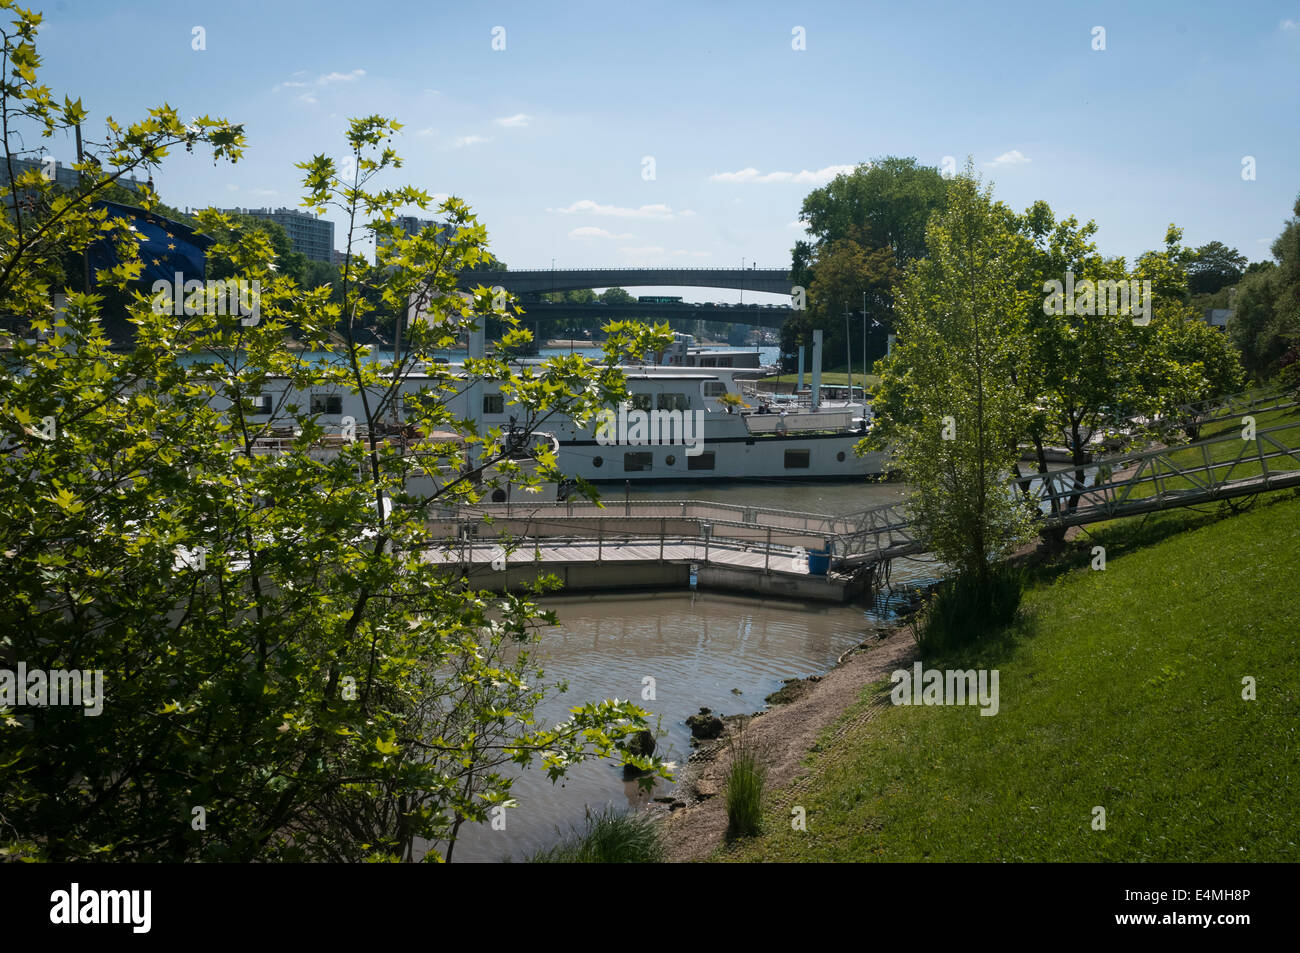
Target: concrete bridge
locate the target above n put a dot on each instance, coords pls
(542, 281)
(758, 315)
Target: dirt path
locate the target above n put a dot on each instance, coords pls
(784, 735)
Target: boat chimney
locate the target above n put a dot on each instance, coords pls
(799, 387)
(817, 369)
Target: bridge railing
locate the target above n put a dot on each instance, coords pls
(1218, 468)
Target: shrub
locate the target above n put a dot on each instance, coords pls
(610, 838)
(743, 788)
(961, 612)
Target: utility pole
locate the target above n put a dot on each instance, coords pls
(848, 348)
(742, 280)
(864, 349)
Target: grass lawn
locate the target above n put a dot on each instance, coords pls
(1119, 688)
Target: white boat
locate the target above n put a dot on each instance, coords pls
(676, 425)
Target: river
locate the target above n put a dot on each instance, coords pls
(702, 649)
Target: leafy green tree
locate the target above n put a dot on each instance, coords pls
(616, 296)
(1214, 266)
(880, 204)
(948, 407)
(287, 673)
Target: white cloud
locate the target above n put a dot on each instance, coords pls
(806, 177)
(515, 121)
(802, 226)
(1014, 157)
(426, 132)
(1290, 25)
(464, 141)
(592, 231)
(325, 79)
(588, 207)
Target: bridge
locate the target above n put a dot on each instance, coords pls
(542, 281)
(768, 551)
(755, 315)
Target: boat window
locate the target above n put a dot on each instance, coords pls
(674, 402)
(633, 462)
(261, 404)
(796, 459)
(703, 461)
(327, 403)
(640, 402)
(714, 388)
(494, 403)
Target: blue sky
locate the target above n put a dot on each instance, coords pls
(547, 138)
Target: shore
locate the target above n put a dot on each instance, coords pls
(784, 734)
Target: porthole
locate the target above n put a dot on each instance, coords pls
(670, 459)
(840, 456)
(597, 461)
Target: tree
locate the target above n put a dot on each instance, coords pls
(1214, 266)
(880, 204)
(847, 275)
(286, 675)
(948, 407)
(616, 296)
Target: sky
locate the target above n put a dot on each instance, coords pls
(650, 134)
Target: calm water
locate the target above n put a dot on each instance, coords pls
(698, 649)
(702, 649)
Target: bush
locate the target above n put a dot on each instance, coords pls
(961, 611)
(743, 789)
(610, 838)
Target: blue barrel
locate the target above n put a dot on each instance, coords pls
(819, 562)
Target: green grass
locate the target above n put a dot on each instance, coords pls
(610, 838)
(1120, 689)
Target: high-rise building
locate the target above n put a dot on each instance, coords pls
(60, 174)
(309, 235)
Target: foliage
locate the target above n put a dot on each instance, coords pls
(960, 613)
(884, 203)
(611, 837)
(616, 296)
(313, 683)
(1265, 323)
(949, 408)
(1214, 266)
(743, 785)
(847, 276)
